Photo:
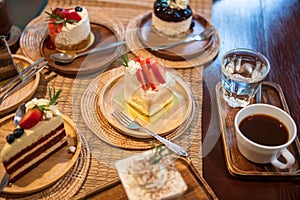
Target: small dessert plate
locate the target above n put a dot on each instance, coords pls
(49, 171)
(105, 28)
(96, 119)
(101, 35)
(151, 38)
(109, 100)
(24, 94)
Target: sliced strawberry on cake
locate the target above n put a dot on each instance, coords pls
(31, 118)
(146, 87)
(160, 71)
(141, 79)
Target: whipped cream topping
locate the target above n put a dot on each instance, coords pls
(73, 33)
(133, 66)
(50, 110)
(178, 4)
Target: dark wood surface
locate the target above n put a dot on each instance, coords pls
(271, 27)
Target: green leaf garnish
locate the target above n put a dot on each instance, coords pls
(160, 151)
(59, 20)
(125, 60)
(53, 95)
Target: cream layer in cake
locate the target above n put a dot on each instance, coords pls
(74, 36)
(170, 28)
(34, 146)
(149, 103)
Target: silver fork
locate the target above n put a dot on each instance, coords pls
(134, 125)
(207, 33)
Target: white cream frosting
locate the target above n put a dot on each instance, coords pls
(73, 34)
(171, 28)
(133, 66)
(50, 110)
(181, 4)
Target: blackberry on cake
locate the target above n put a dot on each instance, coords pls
(40, 134)
(69, 28)
(172, 17)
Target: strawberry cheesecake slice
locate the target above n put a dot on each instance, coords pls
(148, 86)
(69, 28)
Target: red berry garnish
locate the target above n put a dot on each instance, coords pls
(31, 118)
(73, 16)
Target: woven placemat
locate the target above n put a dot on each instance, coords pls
(68, 185)
(103, 155)
(100, 126)
(36, 30)
(136, 46)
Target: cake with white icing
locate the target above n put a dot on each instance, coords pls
(40, 134)
(172, 17)
(69, 28)
(148, 86)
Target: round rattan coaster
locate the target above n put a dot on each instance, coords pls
(136, 46)
(100, 126)
(67, 186)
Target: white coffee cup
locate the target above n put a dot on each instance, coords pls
(261, 153)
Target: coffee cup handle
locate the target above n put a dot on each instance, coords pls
(288, 157)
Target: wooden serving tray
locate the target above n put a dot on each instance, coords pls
(197, 186)
(238, 165)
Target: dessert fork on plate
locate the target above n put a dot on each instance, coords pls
(134, 125)
(206, 34)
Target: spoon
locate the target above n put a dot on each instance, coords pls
(207, 33)
(68, 58)
(19, 114)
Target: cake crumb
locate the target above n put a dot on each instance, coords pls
(71, 149)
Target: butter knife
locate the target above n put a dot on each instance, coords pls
(21, 74)
(23, 81)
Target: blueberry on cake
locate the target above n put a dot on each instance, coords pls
(172, 17)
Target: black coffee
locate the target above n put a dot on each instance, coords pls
(264, 130)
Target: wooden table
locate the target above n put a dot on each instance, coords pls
(272, 28)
